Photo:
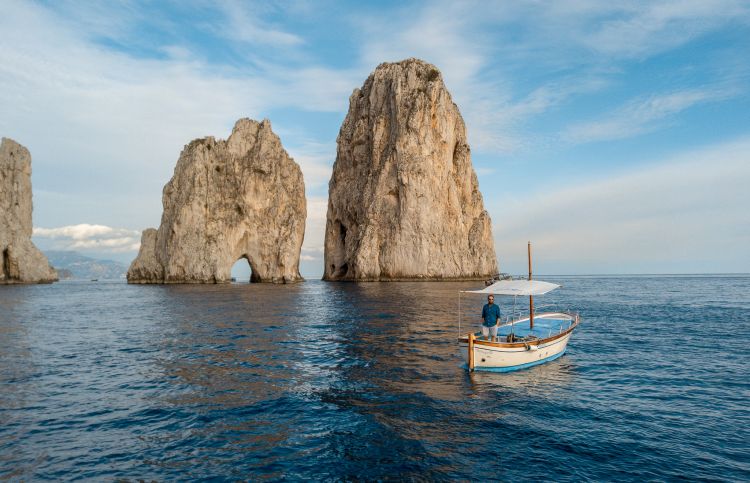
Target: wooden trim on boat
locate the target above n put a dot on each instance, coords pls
(512, 345)
(471, 352)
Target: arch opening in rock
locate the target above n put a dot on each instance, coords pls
(339, 268)
(242, 270)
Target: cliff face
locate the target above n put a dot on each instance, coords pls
(20, 260)
(239, 198)
(404, 201)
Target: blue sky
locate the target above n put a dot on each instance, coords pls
(615, 137)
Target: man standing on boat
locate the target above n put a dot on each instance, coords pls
(490, 317)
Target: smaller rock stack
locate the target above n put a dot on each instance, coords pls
(239, 198)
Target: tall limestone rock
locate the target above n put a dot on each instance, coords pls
(239, 198)
(20, 260)
(404, 202)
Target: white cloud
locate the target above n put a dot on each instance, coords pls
(90, 237)
(643, 115)
(689, 213)
(75, 232)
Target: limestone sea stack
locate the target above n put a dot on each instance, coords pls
(20, 260)
(404, 201)
(239, 198)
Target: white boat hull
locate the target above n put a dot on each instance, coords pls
(545, 342)
(502, 359)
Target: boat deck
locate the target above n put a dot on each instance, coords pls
(544, 326)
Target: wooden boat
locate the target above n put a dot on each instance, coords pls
(522, 341)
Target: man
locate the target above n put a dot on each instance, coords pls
(490, 317)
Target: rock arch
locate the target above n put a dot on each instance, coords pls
(243, 197)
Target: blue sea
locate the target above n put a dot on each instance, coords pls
(344, 381)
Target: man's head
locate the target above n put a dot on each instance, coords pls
(490, 299)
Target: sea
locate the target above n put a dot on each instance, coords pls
(322, 381)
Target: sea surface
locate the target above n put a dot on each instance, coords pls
(344, 381)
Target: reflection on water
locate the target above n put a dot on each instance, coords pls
(363, 381)
(545, 382)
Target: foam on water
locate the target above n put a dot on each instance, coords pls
(364, 381)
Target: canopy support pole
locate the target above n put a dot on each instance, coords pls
(531, 297)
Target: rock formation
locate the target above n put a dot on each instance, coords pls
(239, 198)
(20, 260)
(404, 201)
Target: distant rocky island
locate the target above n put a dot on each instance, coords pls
(404, 201)
(20, 260)
(72, 265)
(228, 200)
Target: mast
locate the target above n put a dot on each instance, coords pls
(531, 297)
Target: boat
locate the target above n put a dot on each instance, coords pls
(523, 341)
(497, 278)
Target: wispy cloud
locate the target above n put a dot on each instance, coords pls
(121, 119)
(243, 23)
(444, 33)
(489, 52)
(315, 160)
(578, 31)
(90, 237)
(643, 115)
(652, 27)
(498, 125)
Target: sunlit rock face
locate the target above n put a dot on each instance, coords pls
(239, 198)
(404, 201)
(20, 260)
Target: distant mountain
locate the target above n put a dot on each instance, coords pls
(73, 265)
(65, 274)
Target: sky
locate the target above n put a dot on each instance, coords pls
(613, 135)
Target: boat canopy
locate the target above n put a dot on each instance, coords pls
(517, 287)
